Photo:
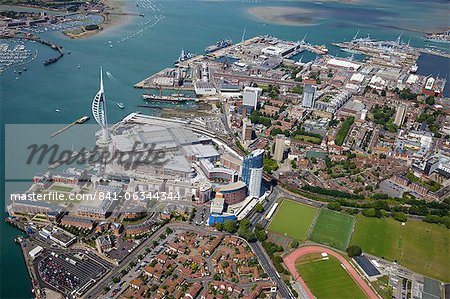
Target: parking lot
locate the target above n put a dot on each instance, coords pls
(67, 272)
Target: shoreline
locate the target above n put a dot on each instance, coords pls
(113, 16)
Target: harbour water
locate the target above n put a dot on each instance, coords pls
(132, 51)
(436, 66)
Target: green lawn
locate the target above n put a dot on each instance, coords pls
(293, 219)
(333, 229)
(419, 246)
(326, 278)
(306, 138)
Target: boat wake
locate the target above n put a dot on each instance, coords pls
(110, 76)
(153, 14)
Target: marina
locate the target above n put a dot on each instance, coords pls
(17, 56)
(30, 37)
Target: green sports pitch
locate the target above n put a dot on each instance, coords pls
(419, 246)
(333, 229)
(326, 278)
(293, 219)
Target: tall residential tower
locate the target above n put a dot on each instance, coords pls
(252, 171)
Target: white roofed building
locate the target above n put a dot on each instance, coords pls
(333, 62)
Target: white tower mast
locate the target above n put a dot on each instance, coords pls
(99, 111)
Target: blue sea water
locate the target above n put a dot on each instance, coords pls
(436, 66)
(142, 46)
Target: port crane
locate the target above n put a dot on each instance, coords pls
(356, 35)
(303, 41)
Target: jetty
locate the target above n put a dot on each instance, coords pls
(125, 14)
(78, 121)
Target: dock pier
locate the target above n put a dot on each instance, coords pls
(63, 129)
(78, 121)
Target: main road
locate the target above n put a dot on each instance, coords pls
(270, 270)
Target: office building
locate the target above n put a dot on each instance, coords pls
(250, 97)
(309, 93)
(252, 171)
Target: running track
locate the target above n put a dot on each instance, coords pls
(289, 261)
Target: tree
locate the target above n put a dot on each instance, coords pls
(230, 226)
(258, 226)
(259, 208)
(115, 279)
(430, 100)
(219, 226)
(294, 244)
(400, 216)
(354, 250)
(432, 219)
(276, 131)
(91, 27)
(261, 235)
(372, 213)
(169, 230)
(245, 223)
(246, 233)
(343, 130)
(194, 267)
(269, 165)
(336, 206)
(298, 89)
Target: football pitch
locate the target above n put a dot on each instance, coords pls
(293, 219)
(333, 229)
(327, 278)
(419, 246)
